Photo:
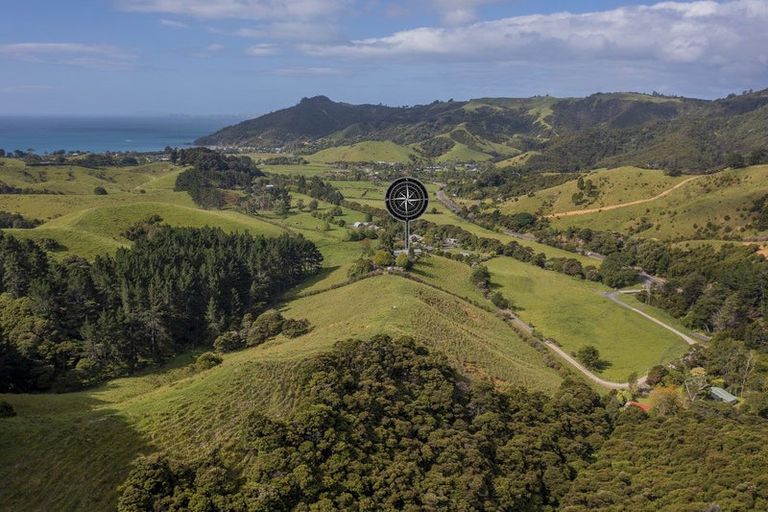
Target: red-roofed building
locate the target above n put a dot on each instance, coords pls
(644, 407)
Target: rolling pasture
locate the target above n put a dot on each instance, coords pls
(92, 436)
(701, 207)
(366, 151)
(573, 313)
(614, 186)
(372, 194)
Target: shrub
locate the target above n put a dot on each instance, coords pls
(208, 360)
(403, 261)
(267, 325)
(100, 191)
(382, 259)
(6, 410)
(360, 267)
(500, 301)
(589, 356)
(229, 342)
(293, 328)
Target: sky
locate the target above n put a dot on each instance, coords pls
(248, 57)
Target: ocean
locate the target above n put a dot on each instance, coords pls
(98, 134)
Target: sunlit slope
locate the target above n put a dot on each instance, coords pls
(367, 151)
(73, 179)
(573, 313)
(708, 207)
(99, 230)
(613, 186)
(70, 451)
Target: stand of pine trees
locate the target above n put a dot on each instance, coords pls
(74, 323)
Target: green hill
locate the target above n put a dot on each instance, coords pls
(70, 451)
(367, 151)
(98, 230)
(611, 187)
(709, 207)
(569, 134)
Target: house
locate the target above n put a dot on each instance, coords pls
(451, 242)
(643, 407)
(722, 395)
(365, 225)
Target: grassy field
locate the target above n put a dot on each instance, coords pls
(615, 186)
(367, 151)
(573, 313)
(71, 179)
(70, 451)
(463, 153)
(721, 199)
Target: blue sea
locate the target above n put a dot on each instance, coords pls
(98, 134)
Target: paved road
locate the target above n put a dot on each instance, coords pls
(448, 202)
(613, 296)
(568, 357)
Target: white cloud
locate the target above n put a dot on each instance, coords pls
(261, 50)
(240, 9)
(209, 51)
(173, 23)
(72, 54)
(457, 12)
(705, 33)
(310, 71)
(306, 31)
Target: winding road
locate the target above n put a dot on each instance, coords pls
(611, 295)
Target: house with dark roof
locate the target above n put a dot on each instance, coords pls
(722, 395)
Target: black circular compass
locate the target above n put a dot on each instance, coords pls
(406, 199)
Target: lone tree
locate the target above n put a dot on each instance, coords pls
(480, 277)
(500, 301)
(589, 356)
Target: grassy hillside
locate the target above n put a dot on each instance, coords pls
(463, 153)
(613, 186)
(573, 313)
(71, 179)
(70, 451)
(368, 151)
(720, 199)
(98, 230)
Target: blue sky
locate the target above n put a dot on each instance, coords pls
(247, 57)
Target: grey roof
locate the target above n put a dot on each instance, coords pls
(721, 394)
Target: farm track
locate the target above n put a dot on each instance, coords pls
(665, 193)
(613, 296)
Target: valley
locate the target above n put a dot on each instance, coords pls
(546, 299)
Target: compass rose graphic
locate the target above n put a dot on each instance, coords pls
(406, 199)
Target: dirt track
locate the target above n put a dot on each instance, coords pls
(573, 213)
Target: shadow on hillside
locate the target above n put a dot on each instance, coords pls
(313, 280)
(65, 452)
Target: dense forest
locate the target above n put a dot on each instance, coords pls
(68, 324)
(211, 171)
(386, 425)
(707, 459)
